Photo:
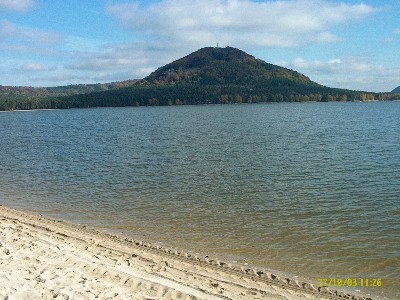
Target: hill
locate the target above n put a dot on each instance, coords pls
(215, 76)
(396, 90)
(20, 92)
(216, 66)
(206, 76)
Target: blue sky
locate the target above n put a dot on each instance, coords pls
(345, 44)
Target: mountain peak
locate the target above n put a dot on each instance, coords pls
(222, 54)
(212, 65)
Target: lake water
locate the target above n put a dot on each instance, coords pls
(310, 189)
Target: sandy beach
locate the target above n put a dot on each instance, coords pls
(42, 258)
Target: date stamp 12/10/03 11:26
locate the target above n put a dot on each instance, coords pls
(350, 282)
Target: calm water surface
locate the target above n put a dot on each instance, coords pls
(309, 189)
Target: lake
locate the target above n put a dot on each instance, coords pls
(308, 189)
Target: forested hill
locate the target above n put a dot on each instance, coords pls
(20, 92)
(396, 90)
(207, 76)
(220, 66)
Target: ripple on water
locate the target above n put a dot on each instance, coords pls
(309, 189)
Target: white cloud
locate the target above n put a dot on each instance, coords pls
(137, 58)
(332, 66)
(396, 31)
(105, 61)
(300, 63)
(36, 67)
(113, 76)
(350, 73)
(237, 22)
(32, 67)
(12, 32)
(16, 5)
(328, 37)
(335, 61)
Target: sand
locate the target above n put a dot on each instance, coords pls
(42, 258)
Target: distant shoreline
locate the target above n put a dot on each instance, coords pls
(28, 110)
(201, 104)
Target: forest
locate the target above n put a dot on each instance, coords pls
(207, 76)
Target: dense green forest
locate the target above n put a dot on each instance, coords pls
(207, 76)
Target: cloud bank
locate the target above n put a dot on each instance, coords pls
(351, 73)
(237, 22)
(16, 5)
(17, 34)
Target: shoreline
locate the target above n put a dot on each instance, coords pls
(61, 260)
(201, 104)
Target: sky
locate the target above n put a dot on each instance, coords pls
(343, 44)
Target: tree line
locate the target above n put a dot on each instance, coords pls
(192, 94)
